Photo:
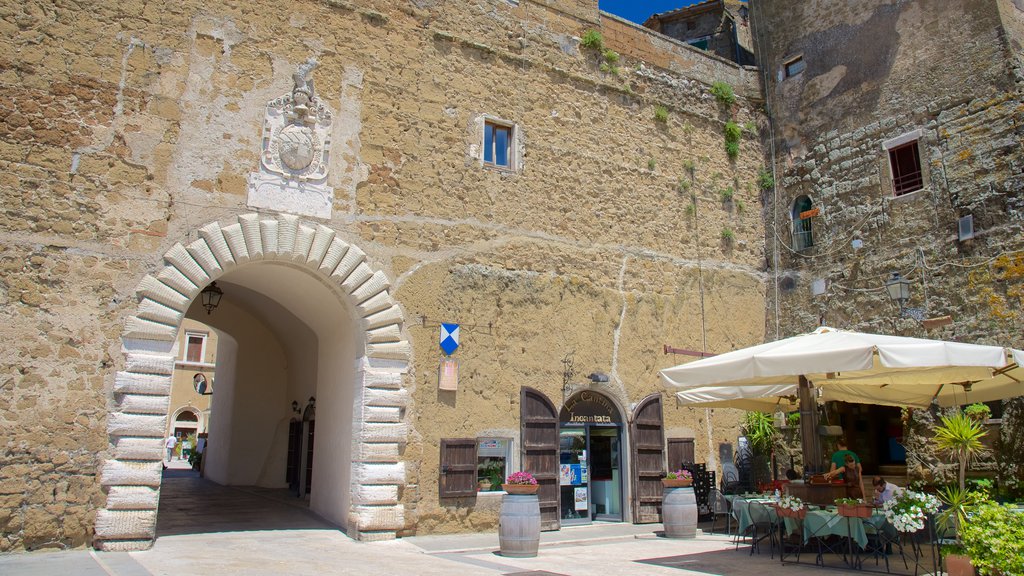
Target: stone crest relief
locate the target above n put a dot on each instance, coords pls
(295, 152)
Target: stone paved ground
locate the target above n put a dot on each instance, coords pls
(205, 529)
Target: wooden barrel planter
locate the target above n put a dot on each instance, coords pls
(679, 512)
(519, 525)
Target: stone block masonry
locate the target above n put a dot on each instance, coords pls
(126, 134)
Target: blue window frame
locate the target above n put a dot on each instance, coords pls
(498, 144)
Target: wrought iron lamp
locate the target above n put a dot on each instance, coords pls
(211, 296)
(898, 288)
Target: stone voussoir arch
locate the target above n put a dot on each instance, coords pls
(138, 418)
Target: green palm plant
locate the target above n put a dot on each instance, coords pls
(960, 502)
(960, 436)
(760, 431)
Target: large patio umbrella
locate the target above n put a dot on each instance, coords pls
(851, 367)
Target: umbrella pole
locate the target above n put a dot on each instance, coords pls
(809, 439)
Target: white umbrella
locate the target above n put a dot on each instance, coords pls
(853, 367)
(753, 398)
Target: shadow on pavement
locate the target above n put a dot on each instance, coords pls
(193, 505)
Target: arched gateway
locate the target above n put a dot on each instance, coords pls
(368, 506)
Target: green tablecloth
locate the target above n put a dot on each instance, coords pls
(824, 523)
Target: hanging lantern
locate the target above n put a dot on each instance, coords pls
(210, 297)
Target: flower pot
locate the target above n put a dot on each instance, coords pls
(520, 488)
(855, 510)
(959, 565)
(790, 513)
(676, 482)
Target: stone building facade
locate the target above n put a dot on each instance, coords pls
(896, 148)
(340, 168)
(892, 129)
(192, 381)
(719, 26)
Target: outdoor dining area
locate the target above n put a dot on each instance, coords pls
(838, 536)
(827, 512)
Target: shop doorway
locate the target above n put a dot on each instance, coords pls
(590, 460)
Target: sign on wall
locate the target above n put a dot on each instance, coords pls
(448, 374)
(449, 338)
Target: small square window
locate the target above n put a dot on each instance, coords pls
(498, 144)
(795, 66)
(691, 25)
(493, 459)
(905, 162)
(195, 347)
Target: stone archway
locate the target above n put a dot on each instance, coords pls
(137, 422)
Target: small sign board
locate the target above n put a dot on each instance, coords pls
(810, 213)
(448, 374)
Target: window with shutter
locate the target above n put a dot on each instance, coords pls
(458, 468)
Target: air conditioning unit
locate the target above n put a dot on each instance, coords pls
(965, 228)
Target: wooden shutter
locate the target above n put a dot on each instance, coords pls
(680, 451)
(539, 450)
(647, 444)
(458, 467)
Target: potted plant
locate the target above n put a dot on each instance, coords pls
(960, 503)
(853, 508)
(960, 435)
(677, 479)
(788, 506)
(994, 539)
(520, 483)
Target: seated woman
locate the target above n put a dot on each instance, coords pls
(851, 471)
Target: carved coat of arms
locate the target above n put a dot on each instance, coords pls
(296, 131)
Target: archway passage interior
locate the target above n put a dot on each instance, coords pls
(286, 340)
(309, 318)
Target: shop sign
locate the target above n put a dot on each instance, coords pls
(589, 408)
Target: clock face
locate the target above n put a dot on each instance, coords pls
(200, 383)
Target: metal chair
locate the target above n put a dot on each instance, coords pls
(764, 524)
(720, 507)
(740, 508)
(730, 483)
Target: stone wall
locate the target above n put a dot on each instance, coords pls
(876, 71)
(127, 127)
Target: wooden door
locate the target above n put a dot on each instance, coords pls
(680, 451)
(647, 445)
(539, 450)
(309, 456)
(294, 456)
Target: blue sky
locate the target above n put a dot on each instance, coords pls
(640, 10)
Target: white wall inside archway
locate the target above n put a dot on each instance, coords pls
(286, 336)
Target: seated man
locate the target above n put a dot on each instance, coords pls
(884, 491)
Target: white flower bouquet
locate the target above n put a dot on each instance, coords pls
(908, 509)
(790, 506)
